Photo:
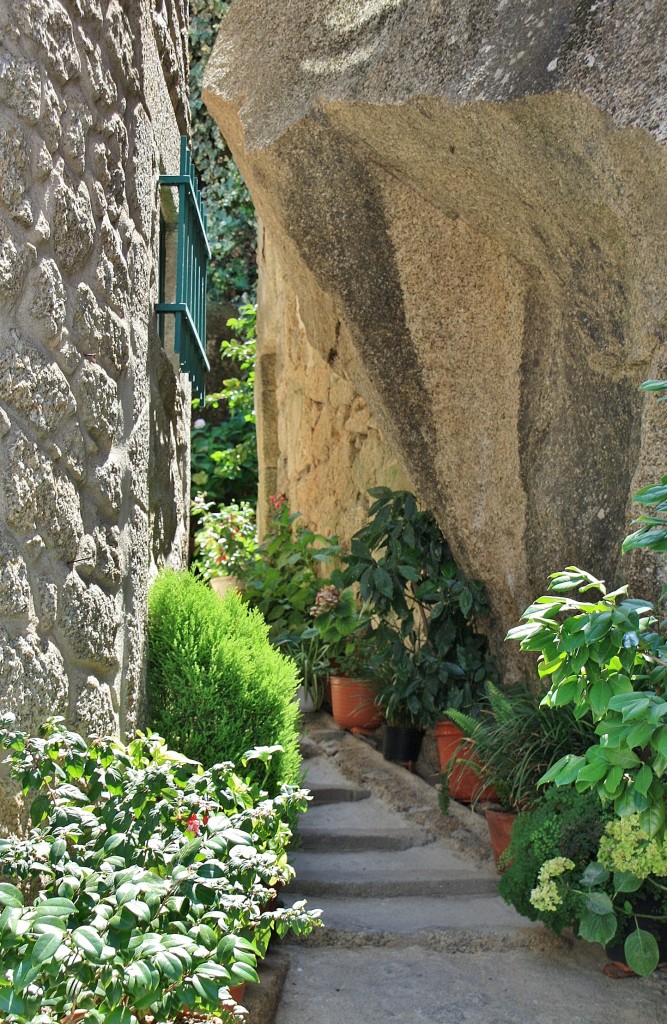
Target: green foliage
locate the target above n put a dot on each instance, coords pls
(231, 216)
(152, 875)
(561, 824)
(652, 532)
(284, 582)
(516, 741)
(430, 655)
(311, 658)
(224, 455)
(603, 656)
(344, 627)
(216, 686)
(225, 539)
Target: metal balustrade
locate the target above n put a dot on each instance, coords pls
(193, 253)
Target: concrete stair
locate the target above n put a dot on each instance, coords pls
(414, 929)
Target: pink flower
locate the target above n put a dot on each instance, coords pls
(192, 824)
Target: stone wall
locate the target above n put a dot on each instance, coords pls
(93, 417)
(468, 202)
(317, 440)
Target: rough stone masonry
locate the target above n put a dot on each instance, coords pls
(94, 418)
(464, 210)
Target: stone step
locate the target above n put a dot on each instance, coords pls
(336, 795)
(364, 825)
(427, 986)
(453, 922)
(429, 870)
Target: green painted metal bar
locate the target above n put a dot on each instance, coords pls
(193, 252)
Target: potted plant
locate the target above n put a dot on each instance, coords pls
(429, 655)
(311, 656)
(514, 741)
(283, 581)
(345, 627)
(225, 542)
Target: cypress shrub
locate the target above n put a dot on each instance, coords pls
(216, 686)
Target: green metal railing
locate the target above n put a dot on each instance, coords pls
(193, 253)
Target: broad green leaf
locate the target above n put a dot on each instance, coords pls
(46, 946)
(383, 582)
(597, 927)
(140, 977)
(625, 881)
(10, 896)
(169, 965)
(594, 874)
(58, 906)
(641, 952)
(597, 627)
(243, 972)
(11, 1002)
(121, 1015)
(139, 909)
(640, 734)
(614, 777)
(592, 773)
(88, 940)
(643, 779)
(652, 819)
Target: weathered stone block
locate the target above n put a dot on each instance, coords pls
(109, 479)
(14, 584)
(39, 496)
(76, 124)
(97, 399)
(14, 163)
(121, 45)
(467, 202)
(46, 300)
(90, 621)
(94, 712)
(102, 85)
(73, 225)
(48, 23)
(50, 119)
(21, 86)
(14, 262)
(33, 681)
(33, 386)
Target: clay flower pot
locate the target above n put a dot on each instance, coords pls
(463, 783)
(353, 704)
(500, 824)
(223, 584)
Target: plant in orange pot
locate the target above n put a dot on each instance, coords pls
(429, 655)
(345, 628)
(514, 741)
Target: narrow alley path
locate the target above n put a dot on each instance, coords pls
(415, 931)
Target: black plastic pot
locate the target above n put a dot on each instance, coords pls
(402, 743)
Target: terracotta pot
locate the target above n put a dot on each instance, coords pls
(223, 584)
(237, 993)
(463, 783)
(500, 825)
(353, 704)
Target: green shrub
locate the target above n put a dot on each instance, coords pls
(152, 877)
(563, 824)
(284, 580)
(216, 686)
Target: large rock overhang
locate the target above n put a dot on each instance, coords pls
(477, 193)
